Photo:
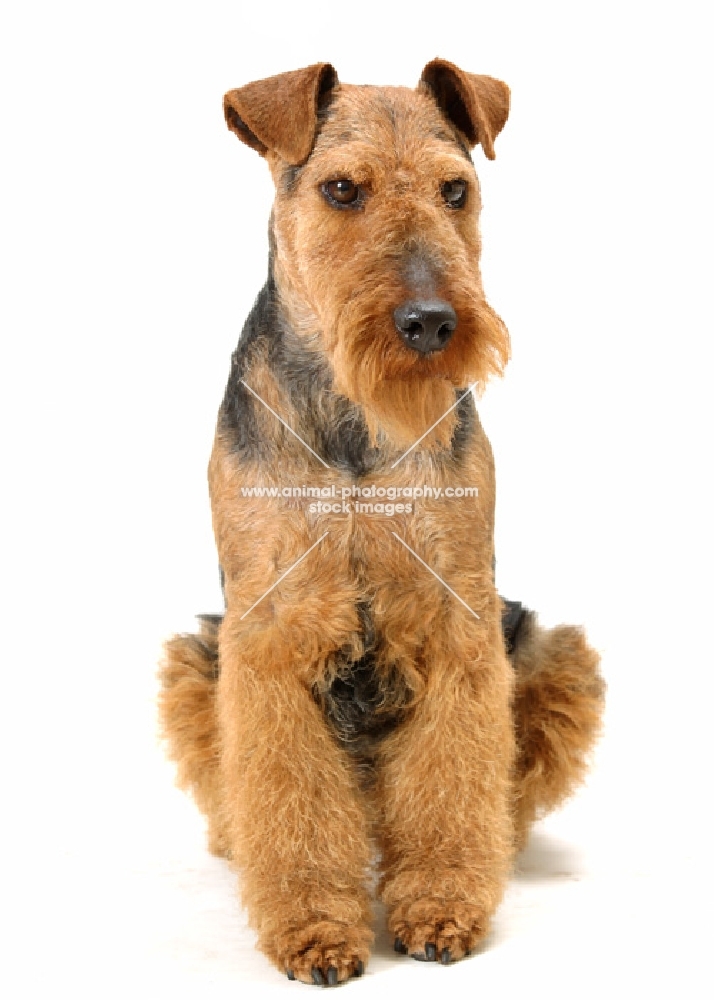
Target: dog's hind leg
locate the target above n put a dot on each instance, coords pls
(557, 709)
(187, 714)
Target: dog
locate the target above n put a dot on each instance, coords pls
(367, 698)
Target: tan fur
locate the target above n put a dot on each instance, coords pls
(557, 713)
(350, 316)
(484, 743)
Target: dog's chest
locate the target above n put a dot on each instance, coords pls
(364, 699)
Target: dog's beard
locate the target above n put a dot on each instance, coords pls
(405, 395)
(404, 412)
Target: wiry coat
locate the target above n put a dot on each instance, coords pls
(381, 695)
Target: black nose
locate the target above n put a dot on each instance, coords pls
(425, 325)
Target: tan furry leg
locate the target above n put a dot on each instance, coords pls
(187, 713)
(298, 827)
(444, 789)
(558, 705)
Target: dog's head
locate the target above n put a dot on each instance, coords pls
(376, 235)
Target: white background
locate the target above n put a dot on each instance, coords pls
(134, 242)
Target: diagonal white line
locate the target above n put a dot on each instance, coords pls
(436, 575)
(284, 424)
(432, 428)
(284, 575)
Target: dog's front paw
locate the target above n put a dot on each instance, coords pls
(325, 952)
(432, 930)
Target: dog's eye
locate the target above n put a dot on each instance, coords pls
(454, 193)
(341, 191)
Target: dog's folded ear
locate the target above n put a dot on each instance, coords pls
(477, 105)
(279, 114)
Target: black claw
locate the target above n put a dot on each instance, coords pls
(430, 952)
(332, 976)
(360, 969)
(317, 977)
(445, 956)
(400, 947)
(291, 975)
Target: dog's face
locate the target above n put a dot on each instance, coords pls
(375, 228)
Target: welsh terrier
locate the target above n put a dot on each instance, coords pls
(367, 698)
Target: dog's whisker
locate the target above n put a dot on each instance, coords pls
(443, 415)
